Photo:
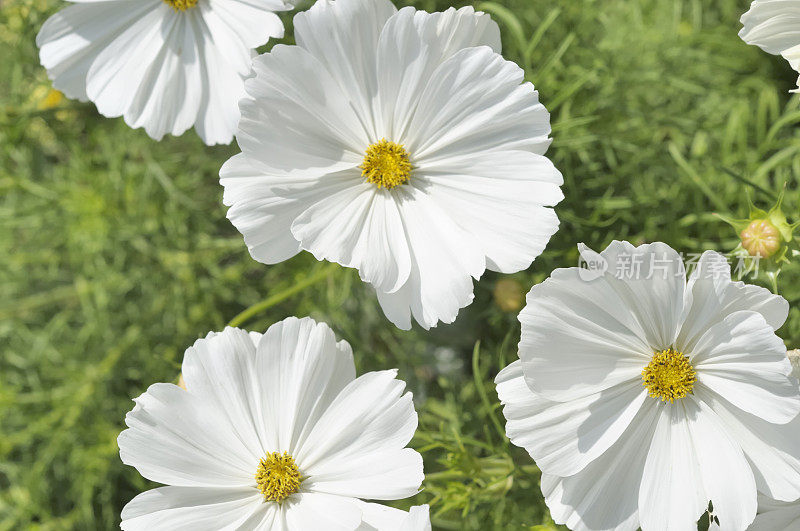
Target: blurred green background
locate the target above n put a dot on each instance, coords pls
(115, 253)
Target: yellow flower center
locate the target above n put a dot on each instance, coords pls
(386, 165)
(278, 477)
(669, 375)
(181, 5)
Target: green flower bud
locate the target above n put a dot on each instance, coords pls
(761, 238)
(765, 234)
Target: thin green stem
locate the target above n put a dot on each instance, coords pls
(271, 301)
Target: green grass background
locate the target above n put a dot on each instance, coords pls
(115, 253)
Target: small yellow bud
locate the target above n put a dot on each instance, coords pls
(51, 100)
(761, 238)
(508, 295)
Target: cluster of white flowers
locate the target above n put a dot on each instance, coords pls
(402, 144)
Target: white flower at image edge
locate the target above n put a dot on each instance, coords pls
(776, 515)
(399, 143)
(273, 432)
(642, 396)
(165, 65)
(774, 26)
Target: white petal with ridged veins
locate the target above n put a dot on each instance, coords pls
(725, 473)
(503, 192)
(368, 235)
(173, 437)
(564, 437)
(604, 495)
(357, 448)
(711, 295)
(743, 360)
(193, 508)
(773, 450)
(301, 370)
(579, 338)
(382, 518)
(445, 259)
(344, 36)
(412, 45)
(774, 26)
(671, 494)
(314, 510)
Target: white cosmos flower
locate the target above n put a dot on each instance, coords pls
(774, 26)
(165, 65)
(642, 396)
(397, 143)
(272, 432)
(778, 515)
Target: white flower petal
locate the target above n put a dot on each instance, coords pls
(301, 370)
(264, 207)
(773, 450)
(314, 510)
(382, 518)
(776, 516)
(564, 437)
(419, 519)
(71, 40)
(693, 460)
(192, 508)
(502, 192)
(476, 101)
(725, 473)
(119, 69)
(743, 360)
(579, 337)
(243, 25)
(223, 88)
(773, 26)
(604, 495)
(296, 121)
(167, 99)
(444, 260)
(377, 517)
(412, 45)
(221, 370)
(344, 36)
(651, 279)
(174, 438)
(367, 235)
(711, 296)
(357, 448)
(671, 494)
(230, 30)
(264, 219)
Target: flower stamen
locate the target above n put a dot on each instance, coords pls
(278, 477)
(669, 375)
(181, 5)
(386, 165)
